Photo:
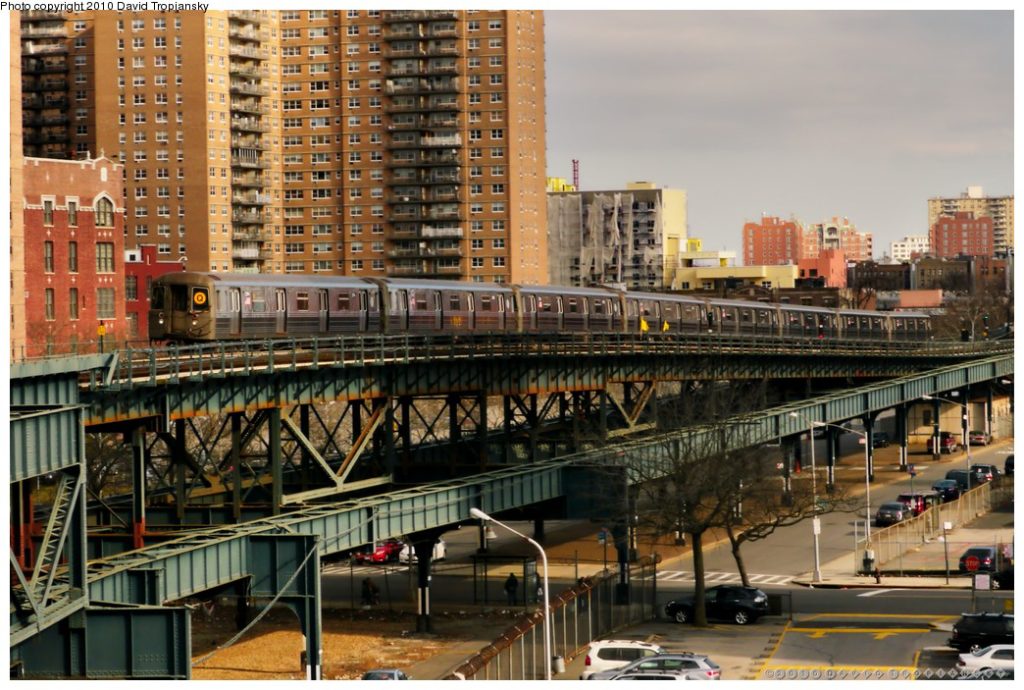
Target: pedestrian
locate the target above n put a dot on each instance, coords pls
(511, 585)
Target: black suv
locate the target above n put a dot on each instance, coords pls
(725, 602)
(977, 630)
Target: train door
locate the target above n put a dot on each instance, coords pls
(573, 318)
(235, 313)
(528, 304)
(322, 306)
(549, 314)
(399, 313)
(181, 319)
(280, 311)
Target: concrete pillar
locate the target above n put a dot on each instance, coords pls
(138, 487)
(869, 428)
(424, 552)
(901, 434)
(538, 529)
(831, 452)
(936, 416)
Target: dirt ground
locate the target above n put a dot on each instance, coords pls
(352, 643)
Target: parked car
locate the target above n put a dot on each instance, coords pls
(385, 552)
(652, 675)
(980, 438)
(891, 513)
(725, 602)
(1008, 465)
(693, 666)
(915, 503)
(994, 661)
(608, 655)
(408, 553)
(986, 556)
(976, 630)
(947, 489)
(948, 442)
(984, 473)
(385, 674)
(879, 439)
(963, 479)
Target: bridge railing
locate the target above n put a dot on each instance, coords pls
(146, 366)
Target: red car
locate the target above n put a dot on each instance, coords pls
(947, 442)
(385, 552)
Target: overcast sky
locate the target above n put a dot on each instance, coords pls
(812, 114)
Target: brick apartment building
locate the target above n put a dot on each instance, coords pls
(772, 242)
(961, 234)
(74, 246)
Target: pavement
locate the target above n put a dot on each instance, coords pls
(574, 551)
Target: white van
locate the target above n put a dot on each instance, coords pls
(407, 552)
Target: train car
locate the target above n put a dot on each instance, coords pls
(445, 306)
(219, 306)
(563, 309)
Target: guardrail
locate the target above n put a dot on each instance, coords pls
(148, 365)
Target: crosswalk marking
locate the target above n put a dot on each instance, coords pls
(723, 577)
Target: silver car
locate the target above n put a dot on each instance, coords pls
(693, 666)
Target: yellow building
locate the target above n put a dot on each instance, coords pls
(720, 277)
(364, 142)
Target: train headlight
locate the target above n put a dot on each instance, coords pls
(160, 319)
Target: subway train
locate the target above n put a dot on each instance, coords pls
(197, 307)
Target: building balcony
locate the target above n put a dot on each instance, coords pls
(392, 16)
(250, 199)
(246, 142)
(425, 250)
(41, 15)
(402, 31)
(36, 67)
(243, 33)
(44, 120)
(250, 253)
(443, 30)
(46, 138)
(250, 88)
(32, 48)
(440, 48)
(413, 104)
(243, 106)
(246, 162)
(247, 217)
(47, 85)
(32, 31)
(247, 51)
(424, 86)
(248, 124)
(245, 69)
(250, 16)
(247, 234)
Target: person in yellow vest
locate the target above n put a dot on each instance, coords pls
(644, 327)
(664, 326)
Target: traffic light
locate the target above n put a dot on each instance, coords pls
(984, 330)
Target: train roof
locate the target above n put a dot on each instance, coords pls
(568, 290)
(268, 279)
(427, 284)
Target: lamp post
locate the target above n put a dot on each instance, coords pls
(815, 522)
(867, 478)
(967, 422)
(481, 515)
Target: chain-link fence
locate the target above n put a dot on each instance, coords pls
(892, 544)
(590, 610)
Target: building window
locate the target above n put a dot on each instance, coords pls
(131, 288)
(73, 257)
(72, 213)
(104, 257)
(104, 303)
(73, 303)
(49, 304)
(48, 256)
(47, 212)
(104, 213)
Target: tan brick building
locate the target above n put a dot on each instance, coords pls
(998, 208)
(365, 142)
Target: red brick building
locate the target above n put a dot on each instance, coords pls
(141, 266)
(74, 246)
(772, 242)
(961, 234)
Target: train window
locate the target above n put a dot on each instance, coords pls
(368, 301)
(572, 305)
(156, 297)
(599, 306)
(690, 312)
(322, 300)
(728, 314)
(259, 301)
(344, 301)
(236, 304)
(545, 305)
(876, 323)
(302, 301)
(794, 318)
(615, 308)
(763, 317)
(485, 303)
(669, 310)
(529, 304)
(282, 300)
(745, 316)
(897, 324)
(419, 301)
(454, 303)
(179, 297)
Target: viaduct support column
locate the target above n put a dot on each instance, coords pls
(274, 433)
(789, 445)
(424, 548)
(236, 467)
(138, 487)
(936, 417)
(869, 453)
(901, 434)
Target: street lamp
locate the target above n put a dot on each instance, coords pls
(967, 421)
(867, 475)
(815, 522)
(481, 515)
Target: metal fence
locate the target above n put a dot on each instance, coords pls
(588, 611)
(892, 543)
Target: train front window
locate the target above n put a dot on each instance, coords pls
(179, 297)
(156, 297)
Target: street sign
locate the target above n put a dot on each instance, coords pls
(602, 536)
(911, 470)
(971, 563)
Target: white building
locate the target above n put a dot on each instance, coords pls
(904, 249)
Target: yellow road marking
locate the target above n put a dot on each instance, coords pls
(818, 616)
(879, 633)
(774, 649)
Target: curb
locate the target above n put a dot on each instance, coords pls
(872, 585)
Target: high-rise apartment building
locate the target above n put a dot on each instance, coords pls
(961, 234)
(773, 242)
(998, 208)
(630, 236)
(838, 234)
(908, 247)
(364, 142)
